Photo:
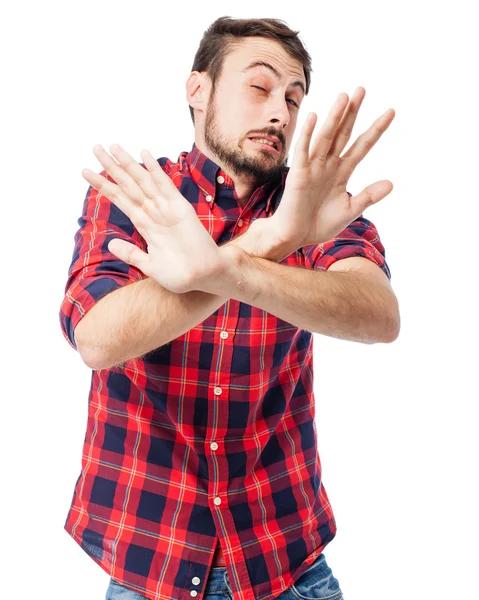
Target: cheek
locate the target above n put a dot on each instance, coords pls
(242, 120)
(291, 129)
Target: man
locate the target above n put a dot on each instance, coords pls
(200, 470)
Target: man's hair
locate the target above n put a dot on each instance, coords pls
(224, 35)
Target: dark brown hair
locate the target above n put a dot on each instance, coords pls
(225, 34)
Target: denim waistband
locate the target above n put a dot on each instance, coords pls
(217, 580)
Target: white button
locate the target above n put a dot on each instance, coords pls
(209, 198)
(193, 593)
(224, 334)
(217, 500)
(220, 179)
(195, 580)
(214, 446)
(218, 391)
(240, 223)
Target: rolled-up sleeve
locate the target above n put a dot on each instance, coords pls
(360, 238)
(94, 271)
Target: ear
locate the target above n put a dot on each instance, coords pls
(197, 90)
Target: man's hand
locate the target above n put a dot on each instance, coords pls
(260, 240)
(181, 256)
(315, 205)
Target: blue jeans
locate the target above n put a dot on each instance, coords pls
(316, 583)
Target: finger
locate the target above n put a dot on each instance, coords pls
(301, 149)
(162, 180)
(366, 140)
(370, 195)
(130, 254)
(343, 134)
(112, 192)
(326, 134)
(138, 173)
(127, 184)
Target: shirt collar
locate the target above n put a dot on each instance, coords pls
(208, 176)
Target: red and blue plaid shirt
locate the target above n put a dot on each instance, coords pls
(211, 436)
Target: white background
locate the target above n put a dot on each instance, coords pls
(396, 422)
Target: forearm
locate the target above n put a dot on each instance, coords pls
(139, 317)
(343, 305)
(135, 319)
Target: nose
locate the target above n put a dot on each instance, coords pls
(280, 115)
(279, 122)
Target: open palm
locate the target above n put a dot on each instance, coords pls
(181, 252)
(315, 206)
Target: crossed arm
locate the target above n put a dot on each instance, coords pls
(352, 300)
(129, 321)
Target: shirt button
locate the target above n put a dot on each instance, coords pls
(240, 223)
(209, 198)
(218, 391)
(224, 335)
(195, 580)
(193, 593)
(220, 179)
(214, 446)
(217, 500)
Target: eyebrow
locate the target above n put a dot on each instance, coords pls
(277, 74)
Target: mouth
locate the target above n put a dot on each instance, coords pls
(274, 149)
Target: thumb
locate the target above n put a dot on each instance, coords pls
(130, 254)
(371, 194)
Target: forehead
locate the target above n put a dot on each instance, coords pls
(261, 50)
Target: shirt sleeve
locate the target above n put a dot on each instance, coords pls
(360, 238)
(94, 271)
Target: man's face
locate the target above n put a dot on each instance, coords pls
(238, 111)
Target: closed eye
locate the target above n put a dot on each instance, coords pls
(289, 99)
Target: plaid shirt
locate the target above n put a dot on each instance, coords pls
(212, 435)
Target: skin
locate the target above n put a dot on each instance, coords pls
(225, 117)
(314, 208)
(356, 305)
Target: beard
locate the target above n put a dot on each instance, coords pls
(261, 169)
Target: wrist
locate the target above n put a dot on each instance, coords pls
(226, 274)
(260, 240)
(239, 281)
